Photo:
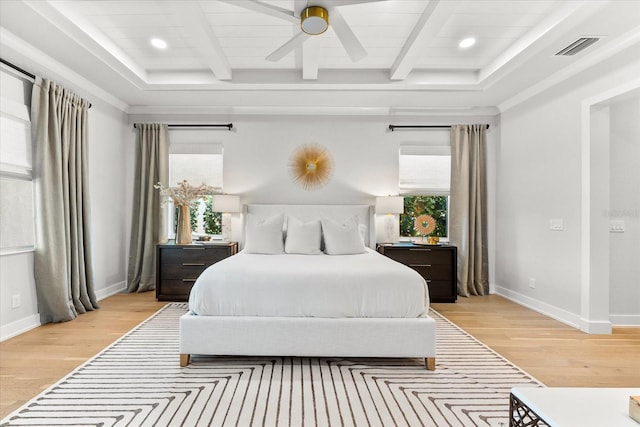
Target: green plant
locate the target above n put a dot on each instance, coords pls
(212, 220)
(435, 206)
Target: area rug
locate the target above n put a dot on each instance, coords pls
(137, 381)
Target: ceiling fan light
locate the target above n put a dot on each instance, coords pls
(314, 20)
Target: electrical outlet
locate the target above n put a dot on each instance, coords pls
(15, 301)
(532, 282)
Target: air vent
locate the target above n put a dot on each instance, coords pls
(578, 46)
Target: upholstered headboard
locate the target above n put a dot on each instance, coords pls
(339, 213)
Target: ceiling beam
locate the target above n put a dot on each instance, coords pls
(267, 9)
(206, 42)
(433, 18)
(74, 25)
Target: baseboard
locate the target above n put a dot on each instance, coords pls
(556, 313)
(625, 319)
(111, 290)
(33, 321)
(19, 326)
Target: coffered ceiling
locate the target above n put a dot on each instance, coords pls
(405, 54)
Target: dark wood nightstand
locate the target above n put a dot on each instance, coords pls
(438, 264)
(178, 266)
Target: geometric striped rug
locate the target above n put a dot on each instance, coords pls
(137, 381)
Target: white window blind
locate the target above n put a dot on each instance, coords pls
(196, 163)
(425, 169)
(16, 180)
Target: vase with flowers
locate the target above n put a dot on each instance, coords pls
(184, 197)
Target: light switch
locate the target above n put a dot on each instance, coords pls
(556, 224)
(616, 226)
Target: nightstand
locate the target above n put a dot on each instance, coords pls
(436, 263)
(178, 266)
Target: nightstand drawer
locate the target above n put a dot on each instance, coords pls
(434, 271)
(418, 255)
(182, 271)
(195, 255)
(177, 287)
(440, 291)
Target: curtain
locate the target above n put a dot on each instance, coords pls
(148, 225)
(62, 259)
(468, 207)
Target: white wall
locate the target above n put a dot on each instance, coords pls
(624, 268)
(110, 165)
(16, 269)
(540, 178)
(365, 152)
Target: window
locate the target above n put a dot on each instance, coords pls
(17, 231)
(425, 174)
(196, 162)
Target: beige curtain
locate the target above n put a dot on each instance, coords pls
(148, 225)
(62, 260)
(468, 207)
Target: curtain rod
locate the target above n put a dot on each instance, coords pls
(20, 70)
(229, 126)
(23, 71)
(393, 127)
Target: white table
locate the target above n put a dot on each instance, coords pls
(569, 407)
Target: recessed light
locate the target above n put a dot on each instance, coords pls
(468, 42)
(158, 43)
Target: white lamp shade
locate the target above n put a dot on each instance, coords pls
(390, 205)
(226, 203)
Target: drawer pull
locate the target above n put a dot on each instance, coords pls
(419, 265)
(428, 280)
(188, 280)
(193, 264)
(421, 250)
(193, 249)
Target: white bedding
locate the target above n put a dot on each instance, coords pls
(289, 285)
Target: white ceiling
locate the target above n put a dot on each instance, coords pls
(216, 55)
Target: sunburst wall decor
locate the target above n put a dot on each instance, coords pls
(311, 166)
(425, 224)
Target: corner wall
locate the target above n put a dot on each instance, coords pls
(541, 179)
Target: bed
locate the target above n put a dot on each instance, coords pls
(304, 302)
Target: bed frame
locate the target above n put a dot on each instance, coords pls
(310, 336)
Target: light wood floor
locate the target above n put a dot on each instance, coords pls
(554, 353)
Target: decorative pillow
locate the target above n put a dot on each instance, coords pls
(342, 239)
(363, 232)
(303, 237)
(264, 236)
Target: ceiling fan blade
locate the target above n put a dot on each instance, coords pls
(337, 3)
(267, 9)
(349, 40)
(293, 43)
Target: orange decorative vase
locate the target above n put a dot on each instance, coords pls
(183, 230)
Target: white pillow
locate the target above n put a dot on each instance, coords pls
(303, 237)
(342, 239)
(363, 232)
(264, 236)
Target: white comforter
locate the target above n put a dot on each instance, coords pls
(363, 285)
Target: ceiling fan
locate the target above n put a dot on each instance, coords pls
(314, 17)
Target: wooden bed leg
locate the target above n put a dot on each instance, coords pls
(430, 363)
(184, 360)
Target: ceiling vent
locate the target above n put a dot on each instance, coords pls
(578, 46)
